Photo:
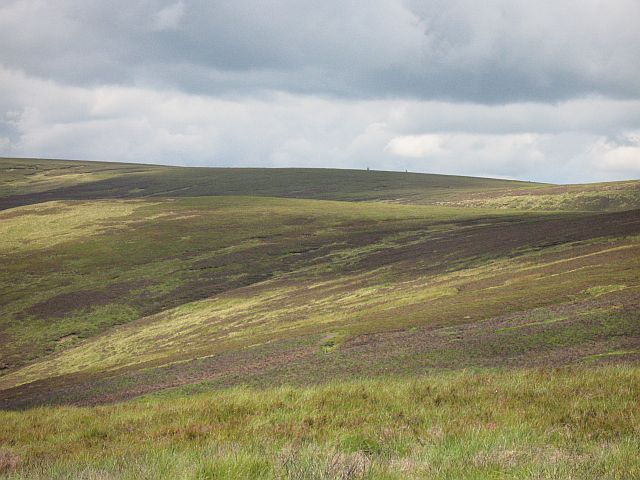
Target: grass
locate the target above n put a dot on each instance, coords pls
(598, 356)
(532, 324)
(34, 176)
(604, 289)
(358, 274)
(562, 423)
(595, 197)
(164, 322)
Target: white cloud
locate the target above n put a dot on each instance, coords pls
(621, 159)
(416, 146)
(505, 154)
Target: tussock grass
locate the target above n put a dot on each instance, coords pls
(561, 423)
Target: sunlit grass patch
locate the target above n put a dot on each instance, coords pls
(614, 353)
(604, 289)
(331, 342)
(46, 225)
(532, 324)
(588, 197)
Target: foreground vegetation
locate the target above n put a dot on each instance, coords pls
(555, 424)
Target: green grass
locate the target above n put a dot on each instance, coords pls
(595, 197)
(546, 321)
(555, 424)
(32, 176)
(604, 289)
(615, 353)
(130, 244)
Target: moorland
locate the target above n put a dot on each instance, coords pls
(173, 322)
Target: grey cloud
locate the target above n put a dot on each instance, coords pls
(543, 90)
(158, 126)
(501, 51)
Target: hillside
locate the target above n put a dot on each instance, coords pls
(164, 286)
(29, 181)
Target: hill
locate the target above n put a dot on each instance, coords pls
(29, 181)
(119, 281)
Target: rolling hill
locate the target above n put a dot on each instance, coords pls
(29, 181)
(380, 324)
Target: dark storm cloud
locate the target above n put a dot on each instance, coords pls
(493, 52)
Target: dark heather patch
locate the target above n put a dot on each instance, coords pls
(65, 303)
(222, 273)
(21, 213)
(502, 240)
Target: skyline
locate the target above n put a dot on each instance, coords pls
(545, 92)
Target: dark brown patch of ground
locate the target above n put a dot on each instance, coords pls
(39, 211)
(66, 303)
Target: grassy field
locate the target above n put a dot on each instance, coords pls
(381, 325)
(557, 424)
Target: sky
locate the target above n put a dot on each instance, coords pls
(545, 90)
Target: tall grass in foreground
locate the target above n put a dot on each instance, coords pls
(565, 423)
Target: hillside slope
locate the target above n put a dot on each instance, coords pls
(29, 181)
(104, 300)
(320, 324)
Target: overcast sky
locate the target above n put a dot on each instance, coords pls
(543, 90)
